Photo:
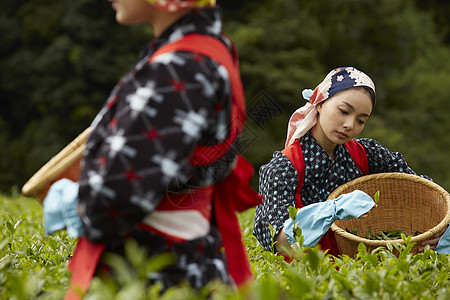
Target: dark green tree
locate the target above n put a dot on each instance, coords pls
(286, 46)
(59, 60)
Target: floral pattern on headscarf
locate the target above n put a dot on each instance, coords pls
(339, 79)
(175, 5)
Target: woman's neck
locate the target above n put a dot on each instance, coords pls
(328, 146)
(163, 20)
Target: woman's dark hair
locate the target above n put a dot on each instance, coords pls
(371, 93)
(373, 96)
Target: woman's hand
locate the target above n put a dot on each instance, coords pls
(433, 241)
(282, 244)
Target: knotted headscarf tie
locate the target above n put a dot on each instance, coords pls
(339, 79)
(176, 5)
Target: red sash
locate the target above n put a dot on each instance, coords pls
(230, 195)
(295, 154)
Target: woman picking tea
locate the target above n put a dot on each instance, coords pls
(321, 154)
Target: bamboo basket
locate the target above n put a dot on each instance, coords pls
(407, 202)
(65, 164)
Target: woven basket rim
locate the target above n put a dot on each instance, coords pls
(415, 178)
(57, 164)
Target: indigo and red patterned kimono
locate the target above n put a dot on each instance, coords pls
(146, 173)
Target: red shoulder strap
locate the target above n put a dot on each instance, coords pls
(230, 195)
(82, 266)
(358, 154)
(216, 50)
(295, 154)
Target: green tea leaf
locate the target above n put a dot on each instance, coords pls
(376, 197)
(354, 231)
(362, 248)
(383, 236)
(313, 259)
(299, 236)
(292, 213)
(368, 235)
(10, 227)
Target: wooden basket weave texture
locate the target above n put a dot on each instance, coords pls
(407, 202)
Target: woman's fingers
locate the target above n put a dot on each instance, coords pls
(433, 241)
(442, 231)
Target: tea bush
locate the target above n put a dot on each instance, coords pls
(34, 266)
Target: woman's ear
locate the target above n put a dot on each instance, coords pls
(319, 106)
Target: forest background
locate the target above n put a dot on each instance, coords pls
(59, 59)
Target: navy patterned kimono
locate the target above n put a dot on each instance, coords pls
(278, 180)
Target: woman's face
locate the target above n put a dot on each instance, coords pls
(129, 12)
(343, 116)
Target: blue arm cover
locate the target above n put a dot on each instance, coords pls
(315, 219)
(443, 245)
(60, 208)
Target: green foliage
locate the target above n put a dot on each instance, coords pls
(34, 266)
(418, 97)
(393, 234)
(287, 46)
(60, 59)
(58, 62)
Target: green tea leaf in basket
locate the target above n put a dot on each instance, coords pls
(354, 231)
(393, 234)
(368, 235)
